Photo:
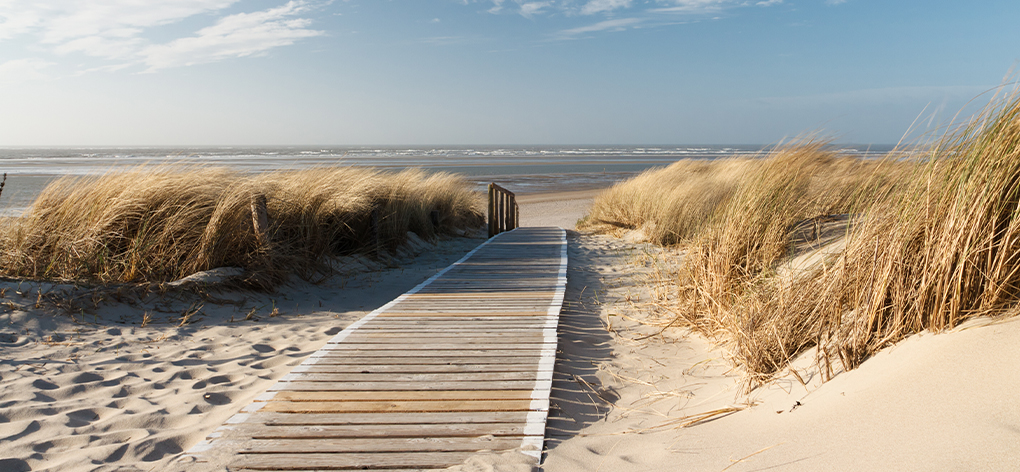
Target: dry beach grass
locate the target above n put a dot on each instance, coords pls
(934, 241)
(158, 224)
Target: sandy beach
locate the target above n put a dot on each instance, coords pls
(85, 386)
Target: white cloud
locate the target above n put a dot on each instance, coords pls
(608, 25)
(19, 71)
(692, 6)
(530, 8)
(240, 35)
(497, 6)
(119, 29)
(598, 6)
(769, 3)
(111, 26)
(834, 2)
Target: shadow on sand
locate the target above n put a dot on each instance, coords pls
(578, 398)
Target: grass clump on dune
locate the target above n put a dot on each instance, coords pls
(946, 248)
(157, 224)
(935, 241)
(734, 221)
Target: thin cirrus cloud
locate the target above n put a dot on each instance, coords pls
(529, 8)
(620, 15)
(118, 30)
(599, 6)
(619, 24)
(240, 35)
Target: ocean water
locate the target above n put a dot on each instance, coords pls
(522, 169)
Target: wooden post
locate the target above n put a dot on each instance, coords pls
(502, 212)
(259, 218)
(492, 210)
(513, 212)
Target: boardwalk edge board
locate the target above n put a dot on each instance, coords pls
(464, 306)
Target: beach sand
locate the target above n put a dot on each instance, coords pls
(100, 392)
(624, 391)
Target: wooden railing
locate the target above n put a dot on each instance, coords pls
(504, 214)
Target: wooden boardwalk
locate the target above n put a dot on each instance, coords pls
(460, 364)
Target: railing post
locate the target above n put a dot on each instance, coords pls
(492, 210)
(502, 212)
(517, 215)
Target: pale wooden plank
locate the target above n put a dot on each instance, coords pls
(350, 461)
(390, 431)
(405, 346)
(417, 368)
(431, 353)
(404, 395)
(370, 386)
(414, 377)
(445, 336)
(428, 360)
(382, 445)
(397, 406)
(343, 419)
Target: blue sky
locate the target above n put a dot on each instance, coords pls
(262, 72)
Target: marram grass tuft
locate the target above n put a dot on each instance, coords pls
(158, 224)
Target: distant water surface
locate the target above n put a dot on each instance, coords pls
(523, 169)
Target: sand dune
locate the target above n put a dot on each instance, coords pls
(102, 392)
(624, 391)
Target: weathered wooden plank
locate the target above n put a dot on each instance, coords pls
(382, 445)
(467, 344)
(403, 395)
(397, 406)
(391, 431)
(418, 368)
(370, 386)
(431, 353)
(445, 336)
(427, 360)
(351, 461)
(344, 419)
(405, 377)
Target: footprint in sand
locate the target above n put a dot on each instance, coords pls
(14, 465)
(44, 385)
(263, 348)
(333, 331)
(219, 379)
(86, 377)
(79, 418)
(157, 450)
(43, 398)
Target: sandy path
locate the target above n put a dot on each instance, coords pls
(622, 391)
(561, 209)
